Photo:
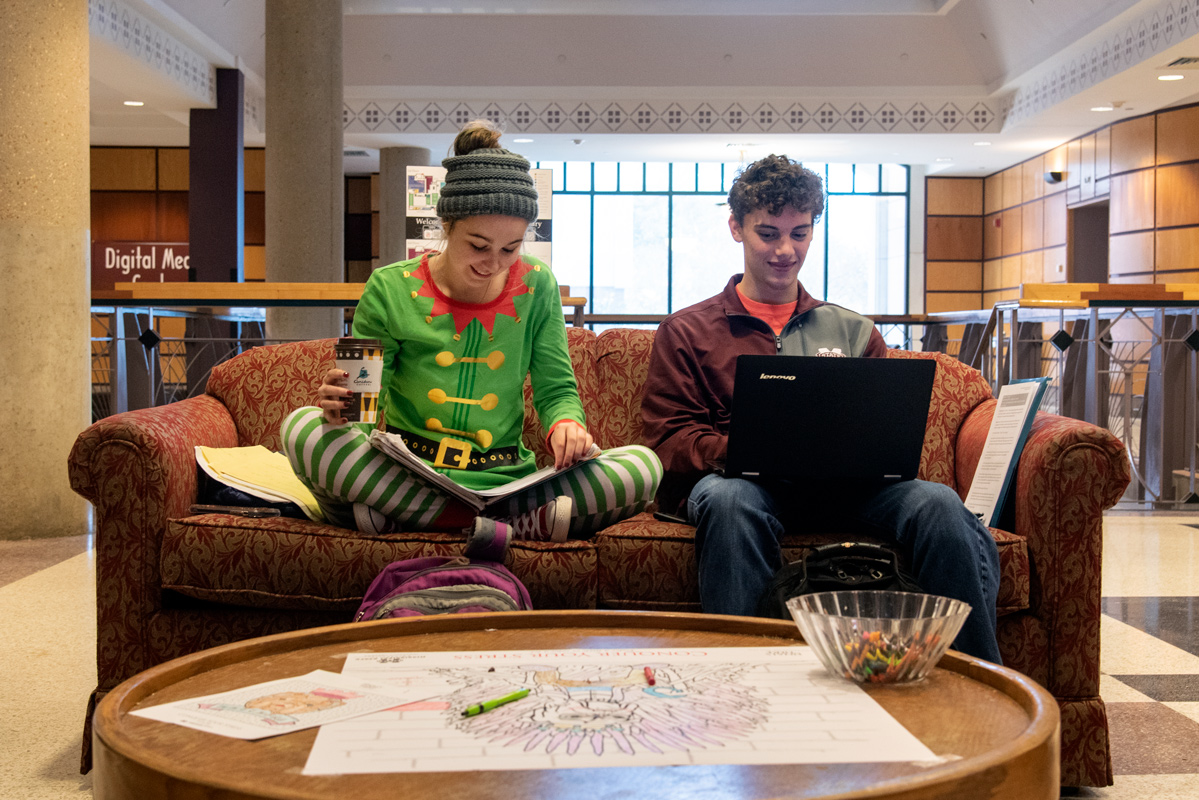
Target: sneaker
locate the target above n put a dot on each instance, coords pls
(488, 539)
(371, 521)
(550, 522)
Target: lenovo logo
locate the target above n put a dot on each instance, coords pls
(765, 377)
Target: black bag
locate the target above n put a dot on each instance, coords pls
(846, 566)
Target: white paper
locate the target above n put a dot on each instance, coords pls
(595, 708)
(288, 704)
(1007, 427)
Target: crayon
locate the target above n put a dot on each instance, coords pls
(649, 676)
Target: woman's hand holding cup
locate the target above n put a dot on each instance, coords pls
(333, 395)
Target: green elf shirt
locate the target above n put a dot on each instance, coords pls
(453, 372)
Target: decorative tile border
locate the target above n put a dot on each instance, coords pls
(1075, 70)
(1080, 68)
(140, 38)
(254, 111)
(126, 29)
(724, 115)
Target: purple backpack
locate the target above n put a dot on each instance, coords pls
(442, 585)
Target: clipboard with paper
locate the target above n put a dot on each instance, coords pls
(1017, 405)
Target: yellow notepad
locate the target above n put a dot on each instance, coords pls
(260, 472)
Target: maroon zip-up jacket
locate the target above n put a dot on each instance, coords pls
(689, 390)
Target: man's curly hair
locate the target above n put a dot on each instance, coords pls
(774, 183)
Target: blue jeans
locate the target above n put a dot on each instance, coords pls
(740, 524)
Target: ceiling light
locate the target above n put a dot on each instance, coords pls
(522, 141)
(1103, 108)
(134, 103)
(982, 144)
(943, 159)
(1169, 77)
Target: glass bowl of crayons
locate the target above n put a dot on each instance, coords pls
(878, 637)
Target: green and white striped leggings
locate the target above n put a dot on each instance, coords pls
(341, 468)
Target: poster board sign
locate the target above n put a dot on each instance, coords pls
(122, 262)
(423, 229)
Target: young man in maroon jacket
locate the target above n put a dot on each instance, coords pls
(687, 406)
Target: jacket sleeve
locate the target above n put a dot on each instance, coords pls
(675, 413)
(876, 347)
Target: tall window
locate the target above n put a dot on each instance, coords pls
(651, 238)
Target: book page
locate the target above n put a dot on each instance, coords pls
(393, 445)
(1009, 427)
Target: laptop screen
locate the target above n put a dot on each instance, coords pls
(814, 419)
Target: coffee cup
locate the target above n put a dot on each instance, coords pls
(363, 360)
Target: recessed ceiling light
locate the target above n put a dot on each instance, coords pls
(982, 144)
(1169, 77)
(1103, 108)
(943, 158)
(522, 141)
(134, 103)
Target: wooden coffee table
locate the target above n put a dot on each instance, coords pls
(1003, 726)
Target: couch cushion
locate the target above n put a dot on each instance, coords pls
(264, 384)
(283, 563)
(581, 342)
(642, 560)
(622, 363)
(957, 390)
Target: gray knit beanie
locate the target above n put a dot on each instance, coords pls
(487, 181)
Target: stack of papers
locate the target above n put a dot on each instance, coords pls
(259, 472)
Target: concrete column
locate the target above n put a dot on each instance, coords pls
(305, 191)
(393, 198)
(44, 260)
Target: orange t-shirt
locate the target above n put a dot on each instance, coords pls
(776, 316)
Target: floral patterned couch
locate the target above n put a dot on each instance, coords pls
(169, 584)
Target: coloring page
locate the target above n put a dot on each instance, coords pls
(594, 708)
(289, 704)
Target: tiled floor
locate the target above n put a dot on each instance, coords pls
(1150, 661)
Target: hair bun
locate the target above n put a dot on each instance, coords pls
(479, 134)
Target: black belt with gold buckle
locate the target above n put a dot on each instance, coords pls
(451, 453)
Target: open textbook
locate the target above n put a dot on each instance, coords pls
(1018, 403)
(393, 445)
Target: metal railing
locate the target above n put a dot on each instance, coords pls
(1130, 369)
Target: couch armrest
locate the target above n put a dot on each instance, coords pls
(139, 470)
(1068, 474)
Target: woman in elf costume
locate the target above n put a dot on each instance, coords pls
(460, 330)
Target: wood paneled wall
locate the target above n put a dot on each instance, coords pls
(1155, 198)
(1024, 229)
(953, 243)
(1145, 168)
(140, 194)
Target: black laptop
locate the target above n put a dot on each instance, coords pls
(816, 419)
